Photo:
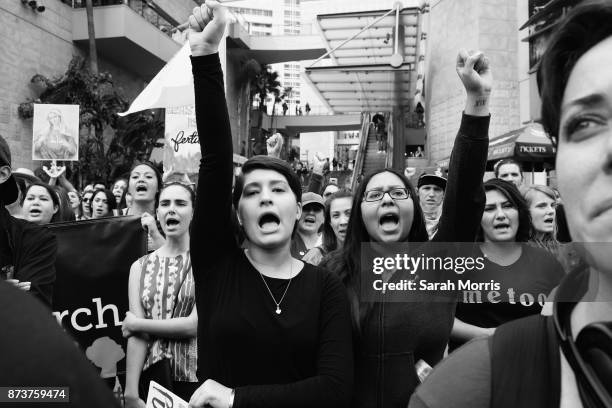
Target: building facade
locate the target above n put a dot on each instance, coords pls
(487, 25)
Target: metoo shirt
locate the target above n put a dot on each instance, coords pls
(524, 286)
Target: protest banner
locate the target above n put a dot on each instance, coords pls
(90, 296)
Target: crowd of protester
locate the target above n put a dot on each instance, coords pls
(275, 310)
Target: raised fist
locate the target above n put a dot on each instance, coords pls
(318, 164)
(206, 27)
(474, 71)
(274, 145)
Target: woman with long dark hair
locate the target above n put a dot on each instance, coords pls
(272, 330)
(162, 321)
(525, 274)
(144, 185)
(395, 330)
(337, 214)
(103, 204)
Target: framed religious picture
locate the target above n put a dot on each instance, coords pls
(55, 132)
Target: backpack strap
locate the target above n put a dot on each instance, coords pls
(525, 364)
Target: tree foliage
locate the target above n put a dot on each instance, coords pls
(108, 144)
(265, 83)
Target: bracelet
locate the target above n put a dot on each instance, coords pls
(231, 399)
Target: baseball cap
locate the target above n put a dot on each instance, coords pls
(312, 198)
(434, 178)
(8, 189)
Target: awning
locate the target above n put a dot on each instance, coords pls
(369, 70)
(527, 144)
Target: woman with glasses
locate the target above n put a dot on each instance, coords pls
(86, 201)
(102, 204)
(272, 330)
(76, 204)
(397, 329)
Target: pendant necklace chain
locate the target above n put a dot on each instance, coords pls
(278, 309)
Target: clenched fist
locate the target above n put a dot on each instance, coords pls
(206, 27)
(474, 71)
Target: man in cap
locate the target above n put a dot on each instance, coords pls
(431, 188)
(308, 231)
(27, 251)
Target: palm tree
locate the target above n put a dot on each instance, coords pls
(287, 91)
(259, 81)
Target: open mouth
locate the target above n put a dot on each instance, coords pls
(501, 227)
(310, 220)
(35, 212)
(389, 220)
(549, 221)
(269, 221)
(172, 222)
(141, 188)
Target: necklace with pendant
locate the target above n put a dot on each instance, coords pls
(278, 309)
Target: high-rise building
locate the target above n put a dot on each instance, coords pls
(274, 17)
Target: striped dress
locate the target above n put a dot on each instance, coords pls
(164, 283)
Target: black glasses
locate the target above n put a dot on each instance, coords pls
(86, 200)
(394, 193)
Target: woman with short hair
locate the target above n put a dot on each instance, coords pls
(40, 204)
(272, 330)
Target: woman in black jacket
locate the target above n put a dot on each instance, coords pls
(395, 330)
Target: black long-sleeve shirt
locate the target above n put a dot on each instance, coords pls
(299, 358)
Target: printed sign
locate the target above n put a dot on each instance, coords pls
(90, 296)
(182, 150)
(160, 397)
(55, 131)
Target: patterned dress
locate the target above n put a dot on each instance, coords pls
(166, 291)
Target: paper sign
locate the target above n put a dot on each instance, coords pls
(160, 397)
(55, 132)
(182, 150)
